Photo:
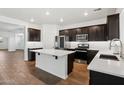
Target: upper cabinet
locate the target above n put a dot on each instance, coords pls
(101, 32)
(113, 26)
(34, 34)
(64, 32)
(84, 30)
(72, 34)
(95, 33)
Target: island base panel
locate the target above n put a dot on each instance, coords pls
(49, 63)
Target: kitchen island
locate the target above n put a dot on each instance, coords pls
(56, 62)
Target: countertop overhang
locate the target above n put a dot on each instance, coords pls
(54, 52)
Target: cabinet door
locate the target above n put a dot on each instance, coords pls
(84, 30)
(100, 34)
(33, 34)
(97, 33)
(78, 31)
(92, 33)
(66, 32)
(113, 26)
(61, 32)
(90, 55)
(72, 35)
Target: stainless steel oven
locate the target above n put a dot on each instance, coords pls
(82, 37)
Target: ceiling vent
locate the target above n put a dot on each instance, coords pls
(97, 9)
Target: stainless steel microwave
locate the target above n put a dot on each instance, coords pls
(82, 37)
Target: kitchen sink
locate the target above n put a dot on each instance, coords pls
(109, 57)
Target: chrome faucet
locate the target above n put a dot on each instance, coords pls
(121, 47)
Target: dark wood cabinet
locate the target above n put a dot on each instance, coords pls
(31, 55)
(92, 33)
(90, 55)
(64, 32)
(84, 30)
(61, 32)
(72, 35)
(34, 34)
(101, 32)
(97, 33)
(78, 31)
(70, 62)
(113, 26)
(98, 78)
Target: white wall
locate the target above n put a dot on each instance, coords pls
(49, 33)
(83, 24)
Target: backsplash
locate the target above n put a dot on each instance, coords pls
(98, 45)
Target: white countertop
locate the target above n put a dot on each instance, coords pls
(54, 52)
(107, 66)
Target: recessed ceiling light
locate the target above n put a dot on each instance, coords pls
(61, 20)
(47, 13)
(85, 13)
(32, 20)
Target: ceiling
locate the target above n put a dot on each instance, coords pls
(69, 15)
(11, 27)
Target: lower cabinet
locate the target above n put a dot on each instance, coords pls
(90, 55)
(31, 55)
(87, 55)
(98, 78)
(70, 62)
